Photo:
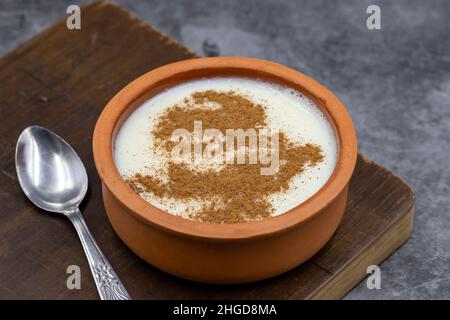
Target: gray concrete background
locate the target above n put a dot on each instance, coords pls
(395, 83)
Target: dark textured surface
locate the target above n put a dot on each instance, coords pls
(395, 83)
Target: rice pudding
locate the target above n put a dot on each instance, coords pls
(216, 191)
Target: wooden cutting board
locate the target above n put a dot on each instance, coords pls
(61, 79)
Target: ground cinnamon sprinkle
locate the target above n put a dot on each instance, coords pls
(235, 192)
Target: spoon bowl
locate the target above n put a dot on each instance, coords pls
(50, 172)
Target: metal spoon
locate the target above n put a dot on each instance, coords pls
(53, 177)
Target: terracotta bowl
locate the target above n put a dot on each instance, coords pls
(223, 253)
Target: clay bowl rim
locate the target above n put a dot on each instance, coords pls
(170, 74)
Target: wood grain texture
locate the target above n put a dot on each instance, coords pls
(61, 80)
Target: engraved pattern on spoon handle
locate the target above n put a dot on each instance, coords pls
(108, 283)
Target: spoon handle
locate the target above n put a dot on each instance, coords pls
(108, 283)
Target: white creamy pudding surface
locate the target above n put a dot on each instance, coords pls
(287, 110)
